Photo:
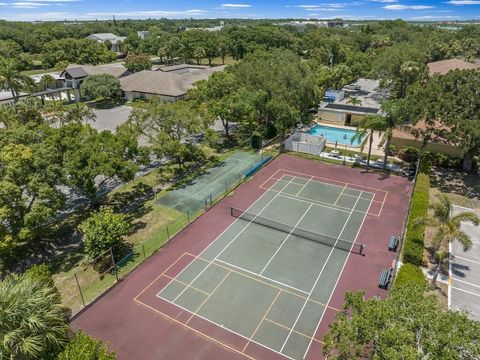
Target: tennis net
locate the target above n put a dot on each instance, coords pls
(356, 248)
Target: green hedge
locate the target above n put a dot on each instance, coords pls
(414, 239)
(410, 273)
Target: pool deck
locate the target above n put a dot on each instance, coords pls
(376, 149)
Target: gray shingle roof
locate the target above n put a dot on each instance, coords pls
(81, 71)
(167, 83)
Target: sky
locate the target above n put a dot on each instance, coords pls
(415, 10)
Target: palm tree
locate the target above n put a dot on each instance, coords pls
(447, 229)
(368, 126)
(33, 322)
(11, 78)
(354, 101)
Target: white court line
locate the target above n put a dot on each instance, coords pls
(286, 238)
(318, 277)
(214, 241)
(338, 181)
(231, 241)
(262, 276)
(223, 327)
(466, 282)
(464, 258)
(340, 195)
(468, 292)
(336, 282)
(304, 186)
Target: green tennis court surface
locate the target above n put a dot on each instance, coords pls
(191, 197)
(262, 278)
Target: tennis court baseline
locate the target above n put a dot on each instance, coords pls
(268, 278)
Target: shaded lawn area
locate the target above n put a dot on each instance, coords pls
(461, 187)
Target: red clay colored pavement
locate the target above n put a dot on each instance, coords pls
(135, 331)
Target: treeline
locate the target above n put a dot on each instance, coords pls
(385, 49)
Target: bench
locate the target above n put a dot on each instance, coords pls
(394, 240)
(385, 278)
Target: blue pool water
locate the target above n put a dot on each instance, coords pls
(334, 134)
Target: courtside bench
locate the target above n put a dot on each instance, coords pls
(385, 278)
(393, 244)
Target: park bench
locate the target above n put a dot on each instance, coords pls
(394, 240)
(385, 278)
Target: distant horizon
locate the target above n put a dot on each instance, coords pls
(348, 10)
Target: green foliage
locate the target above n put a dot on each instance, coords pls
(77, 51)
(414, 238)
(135, 63)
(33, 323)
(165, 125)
(12, 79)
(100, 86)
(408, 324)
(448, 105)
(103, 230)
(84, 347)
(41, 273)
(409, 273)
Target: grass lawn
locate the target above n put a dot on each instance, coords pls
(153, 225)
(37, 71)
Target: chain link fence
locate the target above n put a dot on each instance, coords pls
(79, 288)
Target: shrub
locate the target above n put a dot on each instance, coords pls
(410, 273)
(104, 230)
(414, 239)
(83, 347)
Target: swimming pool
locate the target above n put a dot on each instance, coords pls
(336, 135)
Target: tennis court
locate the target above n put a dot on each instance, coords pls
(263, 272)
(269, 276)
(193, 195)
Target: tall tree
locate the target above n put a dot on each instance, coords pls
(408, 324)
(167, 126)
(100, 86)
(449, 106)
(12, 79)
(368, 127)
(447, 229)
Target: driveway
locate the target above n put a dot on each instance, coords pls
(464, 285)
(109, 119)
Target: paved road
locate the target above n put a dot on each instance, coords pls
(109, 119)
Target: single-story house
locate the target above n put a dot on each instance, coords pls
(351, 104)
(112, 38)
(444, 66)
(74, 74)
(170, 83)
(405, 137)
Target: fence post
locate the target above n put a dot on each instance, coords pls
(206, 206)
(79, 289)
(168, 234)
(210, 199)
(143, 250)
(188, 216)
(114, 264)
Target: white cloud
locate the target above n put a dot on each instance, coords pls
(433, 17)
(407, 7)
(235, 6)
(463, 2)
